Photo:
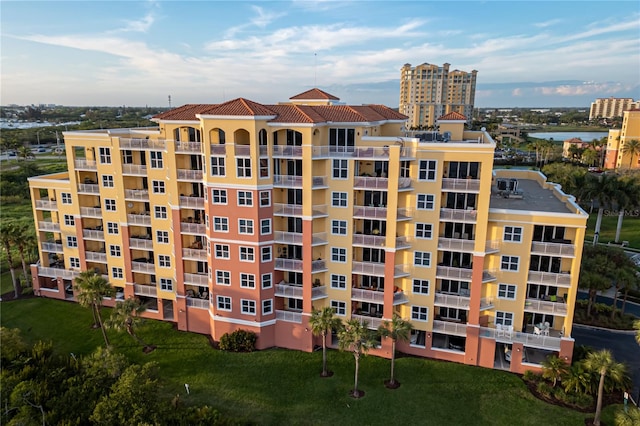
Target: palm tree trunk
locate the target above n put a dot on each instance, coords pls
(135, 337)
(104, 331)
(16, 285)
(624, 299)
(596, 234)
(393, 362)
(596, 420)
(355, 385)
(324, 353)
(96, 324)
(24, 266)
(619, 227)
(615, 304)
(592, 296)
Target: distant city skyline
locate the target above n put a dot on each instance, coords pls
(138, 53)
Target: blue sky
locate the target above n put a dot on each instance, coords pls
(137, 53)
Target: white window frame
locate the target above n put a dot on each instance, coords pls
(160, 212)
(422, 259)
(223, 277)
(162, 237)
(155, 160)
(113, 228)
(425, 201)
(339, 199)
(104, 155)
(339, 254)
(424, 231)
(339, 227)
(219, 168)
(117, 273)
(66, 198)
(107, 181)
(507, 291)
(245, 199)
(512, 234)
(339, 169)
(419, 313)
(69, 220)
(420, 285)
(339, 281)
(220, 224)
(266, 280)
(115, 250)
(510, 262)
(224, 303)
(267, 306)
(243, 168)
(72, 242)
(221, 251)
(248, 306)
(266, 254)
(265, 226)
(339, 307)
(219, 196)
(504, 318)
(265, 201)
(247, 280)
(74, 262)
(164, 261)
(158, 187)
(430, 170)
(247, 254)
(245, 226)
(166, 284)
(110, 205)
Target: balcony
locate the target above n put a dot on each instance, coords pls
(452, 328)
(287, 290)
(134, 169)
(369, 153)
(295, 210)
(550, 278)
(187, 147)
(190, 175)
(192, 202)
(460, 185)
(287, 151)
(458, 215)
(196, 279)
(362, 240)
(364, 182)
(51, 247)
(136, 194)
(486, 303)
(371, 322)
(145, 290)
(242, 150)
(46, 205)
(287, 181)
(453, 273)
(451, 301)
(553, 249)
(370, 212)
(193, 228)
(48, 225)
(399, 298)
(218, 149)
(44, 271)
(295, 265)
(93, 234)
(378, 269)
(364, 295)
(143, 267)
(527, 339)
(282, 237)
(194, 254)
(193, 302)
(142, 144)
(91, 212)
(95, 256)
(85, 165)
(456, 244)
(545, 307)
(139, 219)
(289, 316)
(88, 188)
(140, 243)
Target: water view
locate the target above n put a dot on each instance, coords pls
(563, 136)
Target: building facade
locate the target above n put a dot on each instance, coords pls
(428, 91)
(248, 216)
(611, 107)
(617, 156)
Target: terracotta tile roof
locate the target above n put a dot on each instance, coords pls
(574, 140)
(389, 113)
(315, 93)
(239, 106)
(453, 115)
(295, 114)
(184, 113)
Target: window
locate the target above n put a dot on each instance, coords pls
(504, 318)
(74, 262)
(342, 138)
(164, 261)
(115, 251)
(506, 291)
(265, 254)
(110, 205)
(243, 167)
(248, 306)
(264, 167)
(338, 281)
(127, 156)
(265, 226)
(339, 307)
(424, 230)
(117, 273)
(247, 281)
(509, 263)
(72, 242)
(245, 198)
(160, 212)
(219, 196)
(338, 254)
(265, 198)
(217, 166)
(221, 224)
(267, 306)
(245, 226)
(513, 234)
(425, 201)
(422, 258)
(166, 284)
(421, 286)
(69, 220)
(105, 155)
(267, 280)
(162, 237)
(339, 227)
(247, 254)
(420, 313)
(222, 251)
(112, 228)
(224, 303)
(339, 199)
(427, 170)
(107, 181)
(158, 187)
(340, 169)
(156, 159)
(223, 277)
(66, 198)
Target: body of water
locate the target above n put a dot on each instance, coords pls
(563, 136)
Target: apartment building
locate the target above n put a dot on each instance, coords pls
(248, 216)
(428, 91)
(616, 157)
(611, 107)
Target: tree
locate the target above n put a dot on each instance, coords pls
(25, 153)
(25, 239)
(603, 363)
(625, 277)
(322, 322)
(589, 156)
(397, 329)
(631, 417)
(8, 236)
(603, 189)
(126, 316)
(91, 288)
(596, 270)
(356, 338)
(554, 368)
(627, 197)
(636, 325)
(632, 149)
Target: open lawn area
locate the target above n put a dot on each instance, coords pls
(280, 386)
(630, 228)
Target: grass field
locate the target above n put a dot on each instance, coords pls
(283, 387)
(630, 229)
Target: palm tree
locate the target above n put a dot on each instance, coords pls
(357, 339)
(25, 238)
(630, 417)
(126, 316)
(602, 362)
(636, 325)
(554, 369)
(322, 322)
(602, 189)
(628, 197)
(631, 148)
(8, 237)
(397, 329)
(578, 379)
(91, 288)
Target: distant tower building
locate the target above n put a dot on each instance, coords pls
(429, 91)
(611, 107)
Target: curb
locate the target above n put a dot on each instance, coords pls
(592, 327)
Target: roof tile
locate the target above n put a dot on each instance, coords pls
(453, 115)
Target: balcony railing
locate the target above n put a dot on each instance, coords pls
(243, 150)
(399, 298)
(88, 188)
(552, 278)
(140, 244)
(289, 316)
(143, 267)
(287, 181)
(457, 215)
(450, 272)
(282, 237)
(44, 271)
(461, 185)
(197, 254)
(218, 149)
(363, 295)
(527, 339)
(370, 212)
(91, 212)
(187, 174)
(145, 290)
(358, 152)
(51, 247)
(446, 327)
(198, 279)
(134, 169)
(136, 194)
(486, 303)
(46, 205)
(287, 209)
(47, 225)
(287, 151)
(318, 266)
(369, 240)
(193, 228)
(187, 147)
(364, 182)
(85, 165)
(92, 234)
(545, 307)
(192, 302)
(291, 291)
(553, 249)
(139, 219)
(318, 292)
(368, 268)
(94, 256)
(451, 301)
(455, 244)
(139, 143)
(371, 322)
(192, 202)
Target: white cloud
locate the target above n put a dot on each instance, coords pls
(548, 23)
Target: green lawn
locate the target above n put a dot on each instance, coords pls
(283, 387)
(630, 229)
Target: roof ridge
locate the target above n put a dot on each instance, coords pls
(297, 107)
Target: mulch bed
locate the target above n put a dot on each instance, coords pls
(607, 399)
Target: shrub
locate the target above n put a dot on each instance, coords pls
(531, 376)
(544, 389)
(238, 341)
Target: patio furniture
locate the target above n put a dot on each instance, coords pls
(536, 331)
(499, 330)
(508, 332)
